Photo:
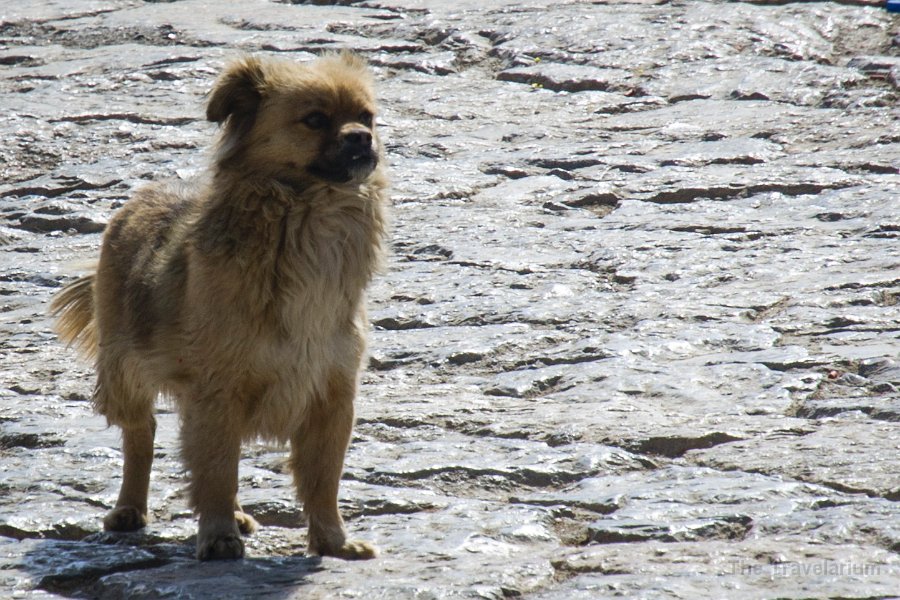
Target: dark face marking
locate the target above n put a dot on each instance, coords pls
(348, 150)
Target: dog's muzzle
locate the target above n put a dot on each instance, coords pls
(356, 157)
(357, 152)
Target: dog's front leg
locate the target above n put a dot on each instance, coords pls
(211, 447)
(317, 461)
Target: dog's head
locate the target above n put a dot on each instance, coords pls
(297, 122)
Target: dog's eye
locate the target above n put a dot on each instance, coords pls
(366, 118)
(316, 120)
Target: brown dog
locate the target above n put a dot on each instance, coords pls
(242, 298)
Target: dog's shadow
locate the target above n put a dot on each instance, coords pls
(140, 565)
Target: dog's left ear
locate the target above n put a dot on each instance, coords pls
(238, 92)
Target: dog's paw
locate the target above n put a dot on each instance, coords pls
(125, 518)
(220, 547)
(246, 524)
(349, 550)
(356, 550)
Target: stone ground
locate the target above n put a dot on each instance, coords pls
(639, 332)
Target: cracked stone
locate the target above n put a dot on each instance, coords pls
(642, 289)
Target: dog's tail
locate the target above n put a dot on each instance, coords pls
(74, 308)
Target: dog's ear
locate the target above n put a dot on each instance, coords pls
(238, 91)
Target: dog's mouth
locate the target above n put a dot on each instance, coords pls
(362, 160)
(350, 165)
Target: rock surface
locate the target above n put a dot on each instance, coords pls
(639, 332)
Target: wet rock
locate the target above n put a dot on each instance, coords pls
(12, 439)
(283, 513)
(61, 567)
(600, 202)
(615, 531)
(45, 223)
(829, 455)
(61, 526)
(52, 188)
(636, 336)
(674, 446)
(871, 391)
(437, 64)
(885, 68)
(747, 151)
(566, 78)
(267, 578)
(468, 463)
(740, 570)
(882, 408)
(674, 185)
(881, 370)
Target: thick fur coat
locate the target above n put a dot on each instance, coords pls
(242, 297)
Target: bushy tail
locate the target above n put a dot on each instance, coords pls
(74, 307)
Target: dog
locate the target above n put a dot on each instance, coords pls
(241, 297)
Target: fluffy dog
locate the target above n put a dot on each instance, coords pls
(242, 298)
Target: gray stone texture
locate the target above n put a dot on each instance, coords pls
(638, 335)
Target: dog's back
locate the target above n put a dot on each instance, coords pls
(122, 290)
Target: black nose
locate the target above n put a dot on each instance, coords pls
(359, 138)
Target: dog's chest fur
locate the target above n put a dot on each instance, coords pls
(283, 275)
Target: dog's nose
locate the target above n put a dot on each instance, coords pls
(360, 138)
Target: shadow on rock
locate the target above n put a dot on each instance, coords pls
(132, 566)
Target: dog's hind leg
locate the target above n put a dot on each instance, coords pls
(130, 512)
(211, 448)
(317, 461)
(122, 399)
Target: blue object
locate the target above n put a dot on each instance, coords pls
(892, 5)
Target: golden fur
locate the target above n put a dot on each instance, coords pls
(242, 297)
